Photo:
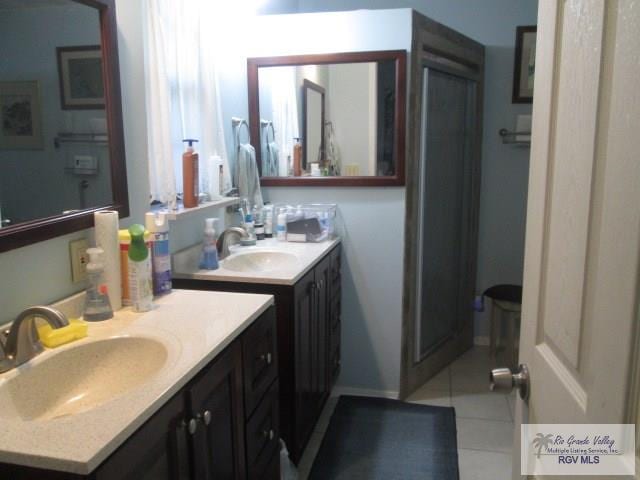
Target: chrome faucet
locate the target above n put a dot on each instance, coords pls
(224, 240)
(22, 342)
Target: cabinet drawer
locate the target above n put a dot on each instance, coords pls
(260, 359)
(263, 434)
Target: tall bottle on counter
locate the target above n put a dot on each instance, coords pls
(190, 175)
(140, 280)
(158, 226)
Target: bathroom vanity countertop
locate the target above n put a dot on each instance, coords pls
(185, 263)
(193, 326)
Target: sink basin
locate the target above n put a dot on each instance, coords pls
(80, 378)
(259, 261)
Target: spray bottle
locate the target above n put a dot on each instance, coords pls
(158, 226)
(140, 283)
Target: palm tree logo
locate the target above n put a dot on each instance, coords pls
(542, 441)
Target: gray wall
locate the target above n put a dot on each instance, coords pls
(505, 169)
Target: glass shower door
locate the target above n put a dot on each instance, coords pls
(448, 127)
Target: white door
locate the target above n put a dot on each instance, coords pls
(583, 226)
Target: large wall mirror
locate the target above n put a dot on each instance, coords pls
(61, 139)
(330, 119)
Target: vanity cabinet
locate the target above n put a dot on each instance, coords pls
(308, 338)
(222, 425)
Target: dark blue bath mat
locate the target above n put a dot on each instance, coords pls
(376, 438)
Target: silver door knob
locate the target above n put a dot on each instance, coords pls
(502, 380)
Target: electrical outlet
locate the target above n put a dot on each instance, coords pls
(79, 259)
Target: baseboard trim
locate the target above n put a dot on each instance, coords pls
(364, 392)
(481, 341)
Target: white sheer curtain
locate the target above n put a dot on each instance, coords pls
(281, 83)
(182, 97)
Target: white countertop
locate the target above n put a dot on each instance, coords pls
(185, 263)
(194, 326)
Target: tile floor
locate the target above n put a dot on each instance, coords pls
(484, 419)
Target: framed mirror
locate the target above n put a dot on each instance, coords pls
(61, 135)
(330, 119)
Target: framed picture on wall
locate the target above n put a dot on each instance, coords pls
(81, 81)
(525, 64)
(21, 116)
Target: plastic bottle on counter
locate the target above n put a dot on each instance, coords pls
(140, 281)
(281, 227)
(258, 222)
(209, 255)
(268, 221)
(158, 226)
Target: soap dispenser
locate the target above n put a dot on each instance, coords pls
(209, 256)
(96, 306)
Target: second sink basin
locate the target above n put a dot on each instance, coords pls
(81, 378)
(259, 261)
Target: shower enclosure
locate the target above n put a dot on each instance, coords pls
(442, 200)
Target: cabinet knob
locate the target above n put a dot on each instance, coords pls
(269, 434)
(266, 357)
(192, 426)
(206, 417)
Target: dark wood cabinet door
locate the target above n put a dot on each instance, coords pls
(156, 451)
(321, 334)
(304, 331)
(260, 359)
(263, 434)
(215, 403)
(335, 316)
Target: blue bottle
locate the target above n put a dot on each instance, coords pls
(209, 257)
(158, 227)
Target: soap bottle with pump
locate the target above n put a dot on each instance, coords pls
(97, 306)
(190, 180)
(209, 256)
(140, 282)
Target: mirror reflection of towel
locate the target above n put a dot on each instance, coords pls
(248, 176)
(274, 152)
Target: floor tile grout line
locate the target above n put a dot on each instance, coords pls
(485, 451)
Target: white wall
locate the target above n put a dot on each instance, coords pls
(353, 113)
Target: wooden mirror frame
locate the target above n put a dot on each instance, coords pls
(400, 59)
(306, 86)
(41, 229)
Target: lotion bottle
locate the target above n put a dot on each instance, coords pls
(297, 158)
(190, 180)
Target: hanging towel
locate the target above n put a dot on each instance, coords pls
(248, 177)
(273, 159)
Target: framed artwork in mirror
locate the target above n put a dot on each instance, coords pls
(525, 64)
(21, 116)
(80, 72)
(344, 111)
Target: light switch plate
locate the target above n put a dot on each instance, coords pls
(79, 259)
